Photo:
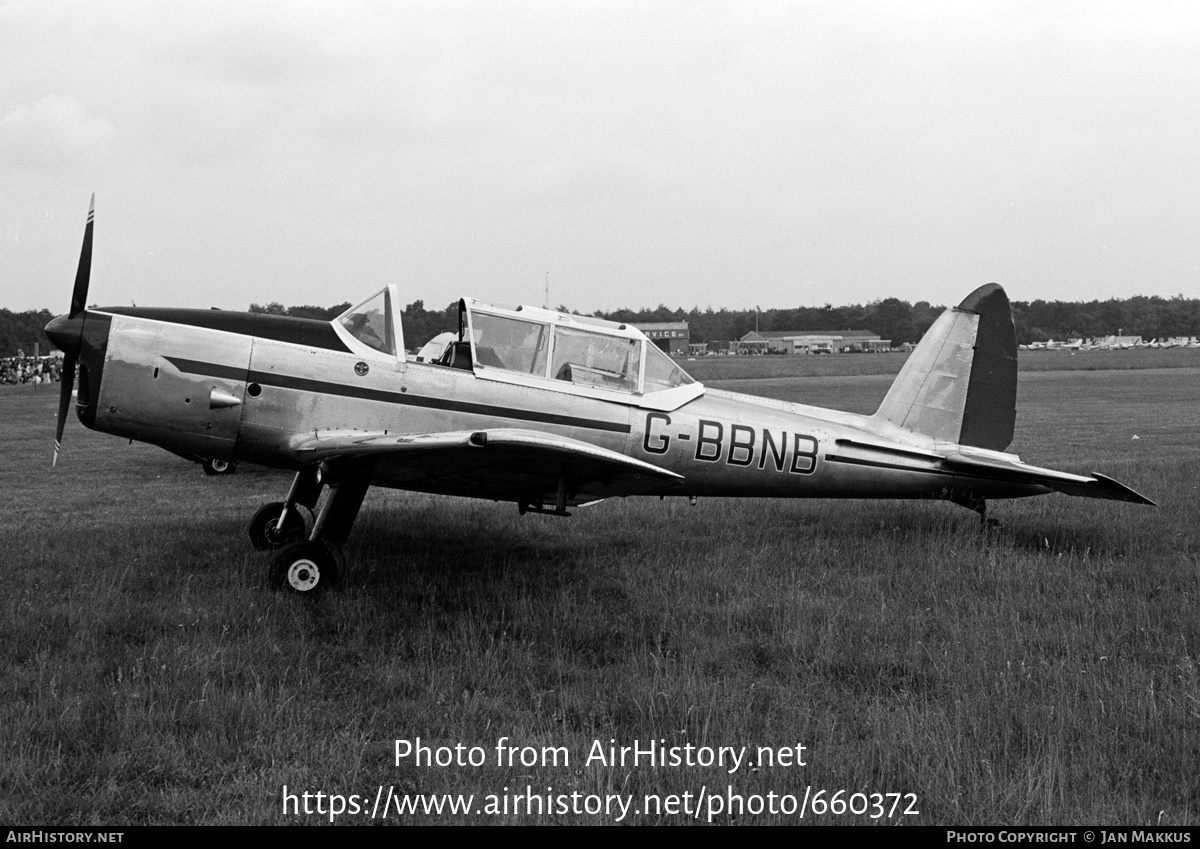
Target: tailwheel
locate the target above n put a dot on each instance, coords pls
(305, 567)
(266, 533)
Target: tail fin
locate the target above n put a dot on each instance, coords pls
(960, 384)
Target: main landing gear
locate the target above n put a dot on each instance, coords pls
(308, 554)
(274, 526)
(305, 567)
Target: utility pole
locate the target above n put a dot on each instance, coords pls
(547, 304)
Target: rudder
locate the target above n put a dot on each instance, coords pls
(960, 384)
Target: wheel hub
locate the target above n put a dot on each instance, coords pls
(272, 532)
(303, 575)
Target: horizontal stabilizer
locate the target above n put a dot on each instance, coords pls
(994, 466)
(1093, 486)
(1106, 487)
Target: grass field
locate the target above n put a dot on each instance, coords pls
(1044, 672)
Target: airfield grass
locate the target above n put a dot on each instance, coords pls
(1046, 671)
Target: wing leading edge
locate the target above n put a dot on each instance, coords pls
(506, 464)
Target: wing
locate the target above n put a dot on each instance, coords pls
(505, 464)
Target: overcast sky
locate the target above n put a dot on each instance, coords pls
(687, 153)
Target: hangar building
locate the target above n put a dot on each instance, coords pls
(813, 342)
(671, 336)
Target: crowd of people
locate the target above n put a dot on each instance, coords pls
(32, 370)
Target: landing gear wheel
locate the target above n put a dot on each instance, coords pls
(219, 467)
(265, 533)
(304, 567)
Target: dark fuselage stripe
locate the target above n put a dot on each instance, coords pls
(304, 384)
(209, 369)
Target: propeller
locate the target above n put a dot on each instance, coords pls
(66, 332)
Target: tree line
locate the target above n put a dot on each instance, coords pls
(1037, 321)
(19, 331)
(892, 318)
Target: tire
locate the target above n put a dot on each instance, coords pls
(219, 467)
(265, 536)
(304, 567)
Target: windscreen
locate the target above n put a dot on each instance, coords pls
(369, 324)
(662, 372)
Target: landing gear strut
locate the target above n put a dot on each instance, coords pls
(976, 503)
(308, 561)
(279, 523)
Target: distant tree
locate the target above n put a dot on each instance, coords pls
(420, 325)
(892, 319)
(20, 331)
(924, 316)
(319, 313)
(305, 311)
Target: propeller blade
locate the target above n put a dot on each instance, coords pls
(66, 334)
(64, 402)
(84, 274)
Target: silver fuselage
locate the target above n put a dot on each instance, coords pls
(217, 392)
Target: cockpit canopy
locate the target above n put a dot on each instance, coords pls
(575, 354)
(576, 350)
